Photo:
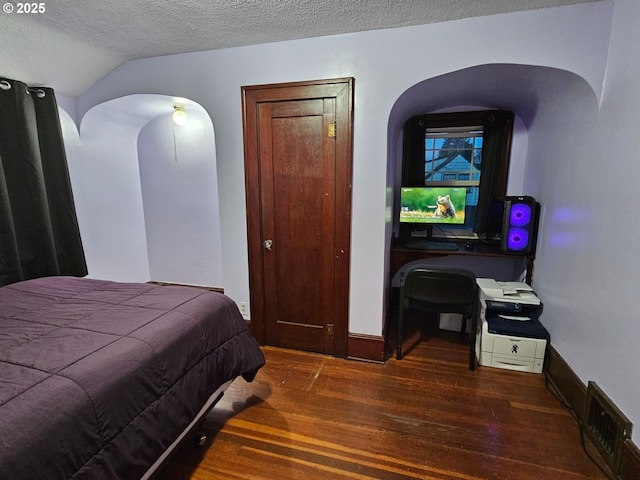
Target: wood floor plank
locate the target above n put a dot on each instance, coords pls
(311, 416)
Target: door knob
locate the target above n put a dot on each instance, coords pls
(268, 244)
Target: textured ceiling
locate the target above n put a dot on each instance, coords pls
(74, 43)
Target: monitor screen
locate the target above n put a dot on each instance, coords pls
(432, 205)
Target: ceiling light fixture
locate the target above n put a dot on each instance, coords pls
(180, 116)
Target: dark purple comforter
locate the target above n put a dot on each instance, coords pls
(98, 378)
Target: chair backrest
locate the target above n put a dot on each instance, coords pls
(444, 289)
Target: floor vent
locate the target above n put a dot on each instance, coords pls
(605, 425)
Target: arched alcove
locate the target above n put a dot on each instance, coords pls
(540, 97)
(522, 89)
(146, 191)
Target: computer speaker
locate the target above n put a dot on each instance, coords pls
(520, 225)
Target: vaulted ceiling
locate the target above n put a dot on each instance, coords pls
(72, 44)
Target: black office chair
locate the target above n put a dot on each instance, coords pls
(440, 290)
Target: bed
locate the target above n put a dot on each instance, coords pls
(100, 379)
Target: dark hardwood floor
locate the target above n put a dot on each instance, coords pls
(309, 416)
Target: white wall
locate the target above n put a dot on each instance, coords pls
(180, 197)
(581, 161)
(584, 168)
(105, 179)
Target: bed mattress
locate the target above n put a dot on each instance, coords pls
(98, 378)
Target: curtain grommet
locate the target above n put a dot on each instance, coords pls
(38, 91)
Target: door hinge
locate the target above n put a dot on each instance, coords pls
(330, 329)
(331, 131)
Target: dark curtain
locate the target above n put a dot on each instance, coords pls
(39, 233)
(496, 151)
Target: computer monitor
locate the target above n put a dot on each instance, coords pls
(432, 205)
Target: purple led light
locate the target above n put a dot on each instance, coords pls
(518, 239)
(520, 214)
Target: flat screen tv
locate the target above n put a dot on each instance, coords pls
(432, 205)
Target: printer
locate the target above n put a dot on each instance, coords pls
(509, 333)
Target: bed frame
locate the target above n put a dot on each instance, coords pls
(192, 429)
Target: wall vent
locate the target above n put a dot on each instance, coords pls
(605, 425)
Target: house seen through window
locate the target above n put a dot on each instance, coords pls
(453, 158)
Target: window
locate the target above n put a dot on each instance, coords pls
(453, 153)
(465, 149)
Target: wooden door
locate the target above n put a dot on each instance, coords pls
(298, 182)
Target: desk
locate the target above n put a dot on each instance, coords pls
(481, 256)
